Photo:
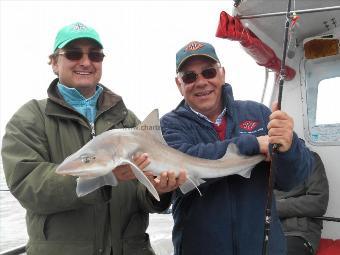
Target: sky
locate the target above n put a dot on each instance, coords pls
(140, 41)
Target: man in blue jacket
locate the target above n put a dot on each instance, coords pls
(229, 216)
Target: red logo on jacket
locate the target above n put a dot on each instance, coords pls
(249, 125)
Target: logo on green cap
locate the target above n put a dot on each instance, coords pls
(75, 31)
(79, 26)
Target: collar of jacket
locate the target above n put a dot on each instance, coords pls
(57, 106)
(228, 101)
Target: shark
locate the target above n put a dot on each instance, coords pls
(95, 162)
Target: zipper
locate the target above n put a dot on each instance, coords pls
(92, 124)
(93, 130)
(233, 220)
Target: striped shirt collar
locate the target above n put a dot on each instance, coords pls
(219, 117)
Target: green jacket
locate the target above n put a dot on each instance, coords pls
(39, 136)
(297, 207)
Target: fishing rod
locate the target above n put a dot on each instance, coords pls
(268, 216)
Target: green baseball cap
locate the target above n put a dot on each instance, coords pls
(75, 31)
(195, 48)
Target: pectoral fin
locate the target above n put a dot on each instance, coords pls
(88, 185)
(143, 179)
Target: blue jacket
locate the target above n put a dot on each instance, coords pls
(229, 216)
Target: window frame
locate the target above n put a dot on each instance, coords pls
(312, 72)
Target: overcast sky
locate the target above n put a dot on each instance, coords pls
(140, 41)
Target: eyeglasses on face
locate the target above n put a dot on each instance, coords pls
(75, 55)
(191, 76)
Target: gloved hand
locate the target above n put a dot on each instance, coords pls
(231, 28)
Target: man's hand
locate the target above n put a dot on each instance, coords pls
(280, 129)
(124, 172)
(167, 181)
(263, 144)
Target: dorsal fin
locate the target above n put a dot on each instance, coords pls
(152, 126)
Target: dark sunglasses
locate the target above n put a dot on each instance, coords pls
(190, 77)
(75, 55)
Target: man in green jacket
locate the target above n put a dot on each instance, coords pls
(42, 133)
(298, 207)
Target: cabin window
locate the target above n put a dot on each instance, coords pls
(328, 102)
(322, 91)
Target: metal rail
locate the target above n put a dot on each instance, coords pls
(327, 218)
(15, 251)
(272, 14)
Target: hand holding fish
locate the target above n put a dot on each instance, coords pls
(168, 181)
(280, 129)
(125, 173)
(263, 144)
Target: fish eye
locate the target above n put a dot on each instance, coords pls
(87, 158)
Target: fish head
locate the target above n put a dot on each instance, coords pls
(92, 160)
(87, 164)
(100, 155)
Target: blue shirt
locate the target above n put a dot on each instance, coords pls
(85, 106)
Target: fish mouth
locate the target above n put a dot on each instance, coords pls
(73, 172)
(93, 170)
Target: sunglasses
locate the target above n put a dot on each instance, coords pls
(190, 77)
(75, 55)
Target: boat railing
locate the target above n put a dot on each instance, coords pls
(15, 251)
(327, 218)
(22, 249)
